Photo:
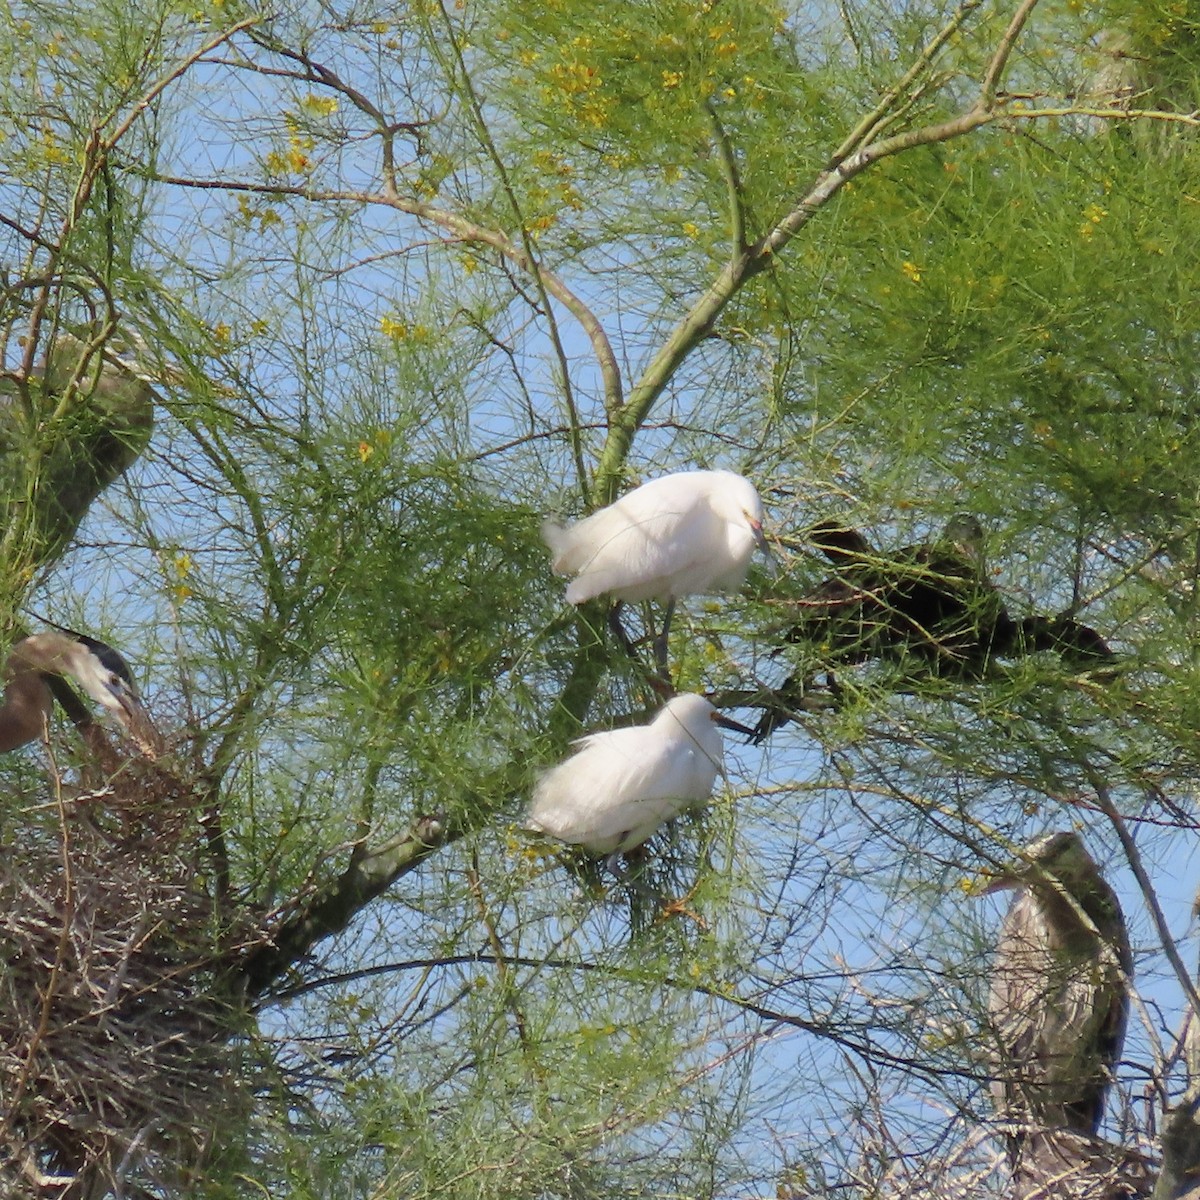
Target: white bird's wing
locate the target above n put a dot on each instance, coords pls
(634, 547)
(619, 788)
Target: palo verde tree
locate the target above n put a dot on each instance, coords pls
(313, 313)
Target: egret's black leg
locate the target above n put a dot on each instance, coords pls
(612, 864)
(618, 631)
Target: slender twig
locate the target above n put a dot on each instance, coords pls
(867, 128)
(1105, 804)
(501, 963)
(489, 144)
(733, 185)
(64, 937)
(995, 69)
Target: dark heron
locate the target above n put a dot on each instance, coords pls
(1059, 991)
(931, 605)
(931, 600)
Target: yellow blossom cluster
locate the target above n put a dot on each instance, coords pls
(1092, 216)
(295, 160)
(403, 331)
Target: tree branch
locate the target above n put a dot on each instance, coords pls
(332, 908)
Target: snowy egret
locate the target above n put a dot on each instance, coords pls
(95, 666)
(678, 535)
(620, 786)
(1060, 989)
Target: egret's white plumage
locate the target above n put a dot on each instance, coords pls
(678, 535)
(620, 786)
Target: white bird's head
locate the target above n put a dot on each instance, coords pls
(736, 500)
(691, 711)
(696, 716)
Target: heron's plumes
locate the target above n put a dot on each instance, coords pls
(1059, 998)
(678, 535)
(621, 785)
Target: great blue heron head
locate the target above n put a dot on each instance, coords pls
(109, 659)
(105, 676)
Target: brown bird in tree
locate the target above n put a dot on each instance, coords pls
(930, 605)
(931, 600)
(1059, 990)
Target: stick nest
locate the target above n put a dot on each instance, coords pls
(118, 1000)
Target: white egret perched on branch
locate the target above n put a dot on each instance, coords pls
(621, 785)
(1059, 990)
(678, 535)
(95, 666)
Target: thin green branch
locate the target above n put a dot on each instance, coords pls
(461, 228)
(733, 185)
(996, 68)
(489, 144)
(1166, 939)
(868, 127)
(826, 1030)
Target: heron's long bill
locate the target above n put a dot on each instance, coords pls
(136, 720)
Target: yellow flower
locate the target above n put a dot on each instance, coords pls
(1092, 216)
(326, 106)
(671, 79)
(911, 270)
(365, 450)
(691, 229)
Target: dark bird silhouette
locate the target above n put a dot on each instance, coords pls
(931, 605)
(35, 661)
(1059, 996)
(930, 600)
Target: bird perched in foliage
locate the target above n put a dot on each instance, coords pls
(931, 604)
(678, 535)
(1059, 996)
(621, 785)
(931, 600)
(96, 667)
